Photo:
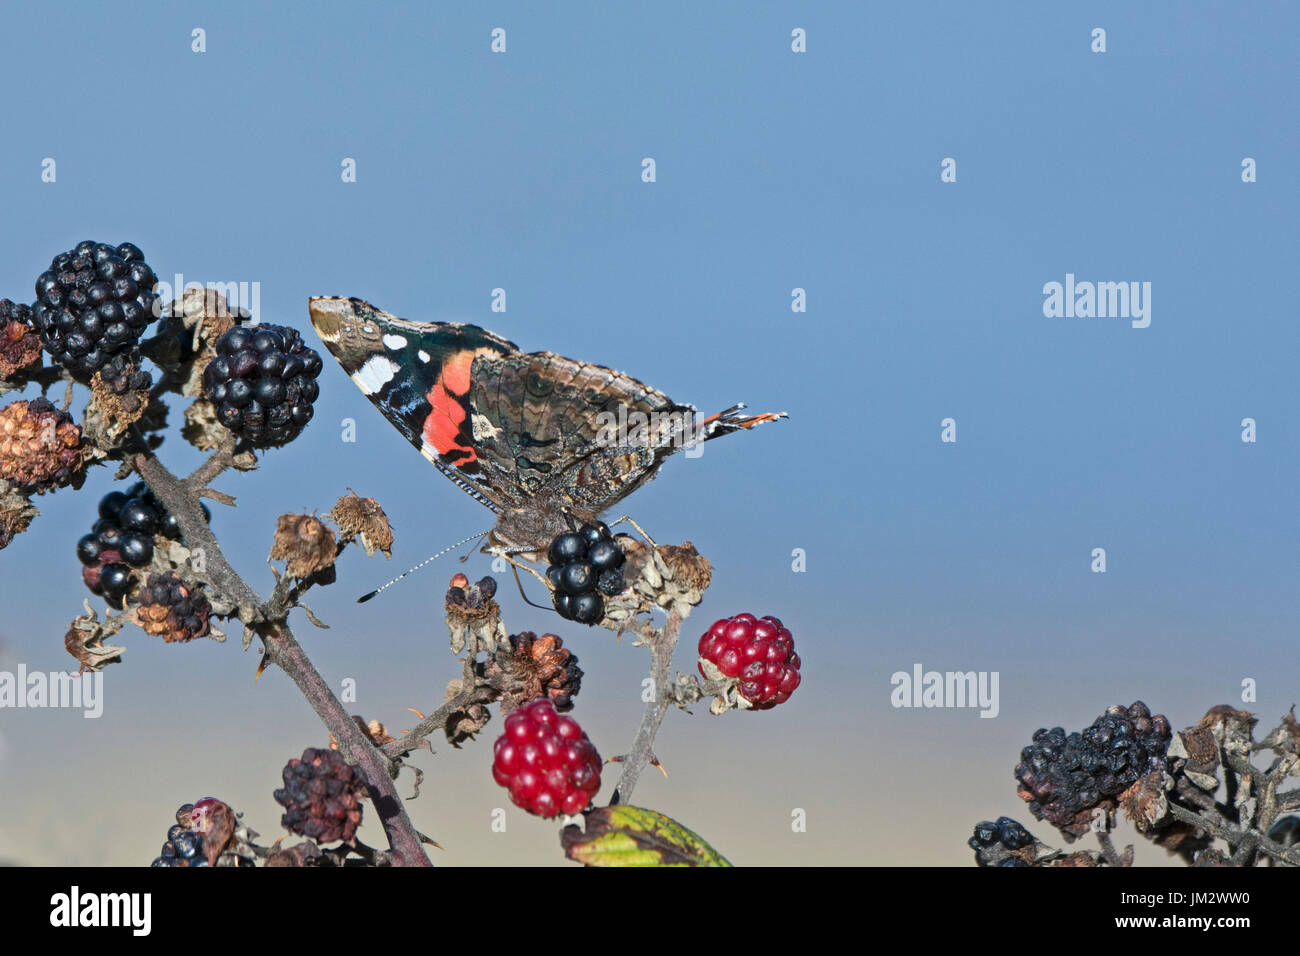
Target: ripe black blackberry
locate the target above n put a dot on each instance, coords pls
(584, 565)
(1064, 776)
(321, 796)
(122, 539)
(184, 847)
(994, 842)
(94, 302)
(263, 383)
(122, 374)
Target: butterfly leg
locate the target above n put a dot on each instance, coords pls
(505, 555)
(640, 530)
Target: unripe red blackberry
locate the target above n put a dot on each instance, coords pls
(20, 346)
(321, 796)
(263, 383)
(584, 564)
(94, 302)
(546, 761)
(759, 654)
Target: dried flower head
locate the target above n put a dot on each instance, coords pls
(305, 543)
(16, 513)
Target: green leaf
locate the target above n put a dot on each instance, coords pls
(632, 836)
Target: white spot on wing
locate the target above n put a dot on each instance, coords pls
(483, 428)
(376, 373)
(395, 342)
(424, 356)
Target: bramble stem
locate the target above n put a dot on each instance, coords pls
(662, 643)
(282, 648)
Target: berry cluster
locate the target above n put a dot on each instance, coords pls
(1062, 776)
(321, 796)
(123, 538)
(19, 345)
(171, 609)
(546, 761)
(40, 446)
(263, 383)
(94, 302)
(184, 846)
(995, 841)
(758, 653)
(584, 565)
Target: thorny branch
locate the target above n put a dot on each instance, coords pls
(283, 649)
(661, 642)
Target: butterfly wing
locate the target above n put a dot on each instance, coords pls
(568, 432)
(419, 374)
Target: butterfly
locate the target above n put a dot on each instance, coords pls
(540, 439)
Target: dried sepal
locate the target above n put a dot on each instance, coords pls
(201, 428)
(16, 513)
(364, 520)
(86, 639)
(667, 577)
(462, 724)
(116, 402)
(473, 618)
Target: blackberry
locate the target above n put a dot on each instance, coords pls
(758, 654)
(19, 344)
(546, 761)
(122, 539)
(994, 842)
(122, 374)
(41, 447)
(321, 796)
(171, 609)
(263, 383)
(94, 302)
(1063, 777)
(584, 565)
(186, 844)
(528, 668)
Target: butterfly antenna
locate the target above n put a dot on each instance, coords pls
(366, 597)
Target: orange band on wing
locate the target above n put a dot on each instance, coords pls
(442, 429)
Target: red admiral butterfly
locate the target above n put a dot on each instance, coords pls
(531, 435)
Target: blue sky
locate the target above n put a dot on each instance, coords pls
(775, 170)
